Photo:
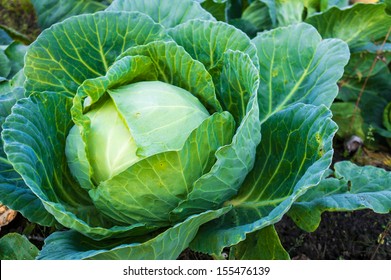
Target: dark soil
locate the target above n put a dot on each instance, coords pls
(359, 235)
(19, 15)
(35, 233)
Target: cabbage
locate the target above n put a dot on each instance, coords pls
(151, 127)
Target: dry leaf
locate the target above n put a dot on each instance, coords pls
(6, 215)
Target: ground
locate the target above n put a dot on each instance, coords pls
(341, 235)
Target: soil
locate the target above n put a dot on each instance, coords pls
(359, 235)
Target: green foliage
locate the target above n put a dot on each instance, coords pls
(217, 136)
(11, 56)
(52, 11)
(349, 120)
(374, 98)
(14, 246)
(358, 25)
(260, 245)
(349, 187)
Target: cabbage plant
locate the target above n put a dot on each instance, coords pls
(151, 127)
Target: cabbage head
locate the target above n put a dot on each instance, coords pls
(140, 130)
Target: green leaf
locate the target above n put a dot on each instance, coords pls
(167, 13)
(148, 190)
(14, 34)
(236, 86)
(60, 61)
(11, 59)
(373, 99)
(271, 4)
(350, 188)
(296, 65)
(263, 244)
(176, 67)
(207, 41)
(289, 12)
(284, 13)
(15, 53)
(343, 114)
(387, 117)
(5, 65)
(338, 3)
(366, 63)
(388, 3)
(216, 8)
(164, 246)
(234, 8)
(295, 151)
(255, 18)
(34, 137)
(14, 246)
(153, 133)
(357, 25)
(237, 83)
(53, 11)
(5, 39)
(13, 191)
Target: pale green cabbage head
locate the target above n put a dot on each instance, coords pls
(162, 114)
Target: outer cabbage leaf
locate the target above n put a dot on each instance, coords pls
(296, 65)
(11, 56)
(216, 8)
(15, 53)
(373, 100)
(349, 188)
(221, 37)
(5, 38)
(167, 13)
(82, 48)
(255, 18)
(264, 197)
(164, 246)
(357, 25)
(14, 246)
(283, 13)
(13, 190)
(283, 171)
(343, 114)
(5, 66)
(234, 161)
(230, 57)
(260, 245)
(289, 12)
(53, 11)
(366, 63)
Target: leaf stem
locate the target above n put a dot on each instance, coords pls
(254, 204)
